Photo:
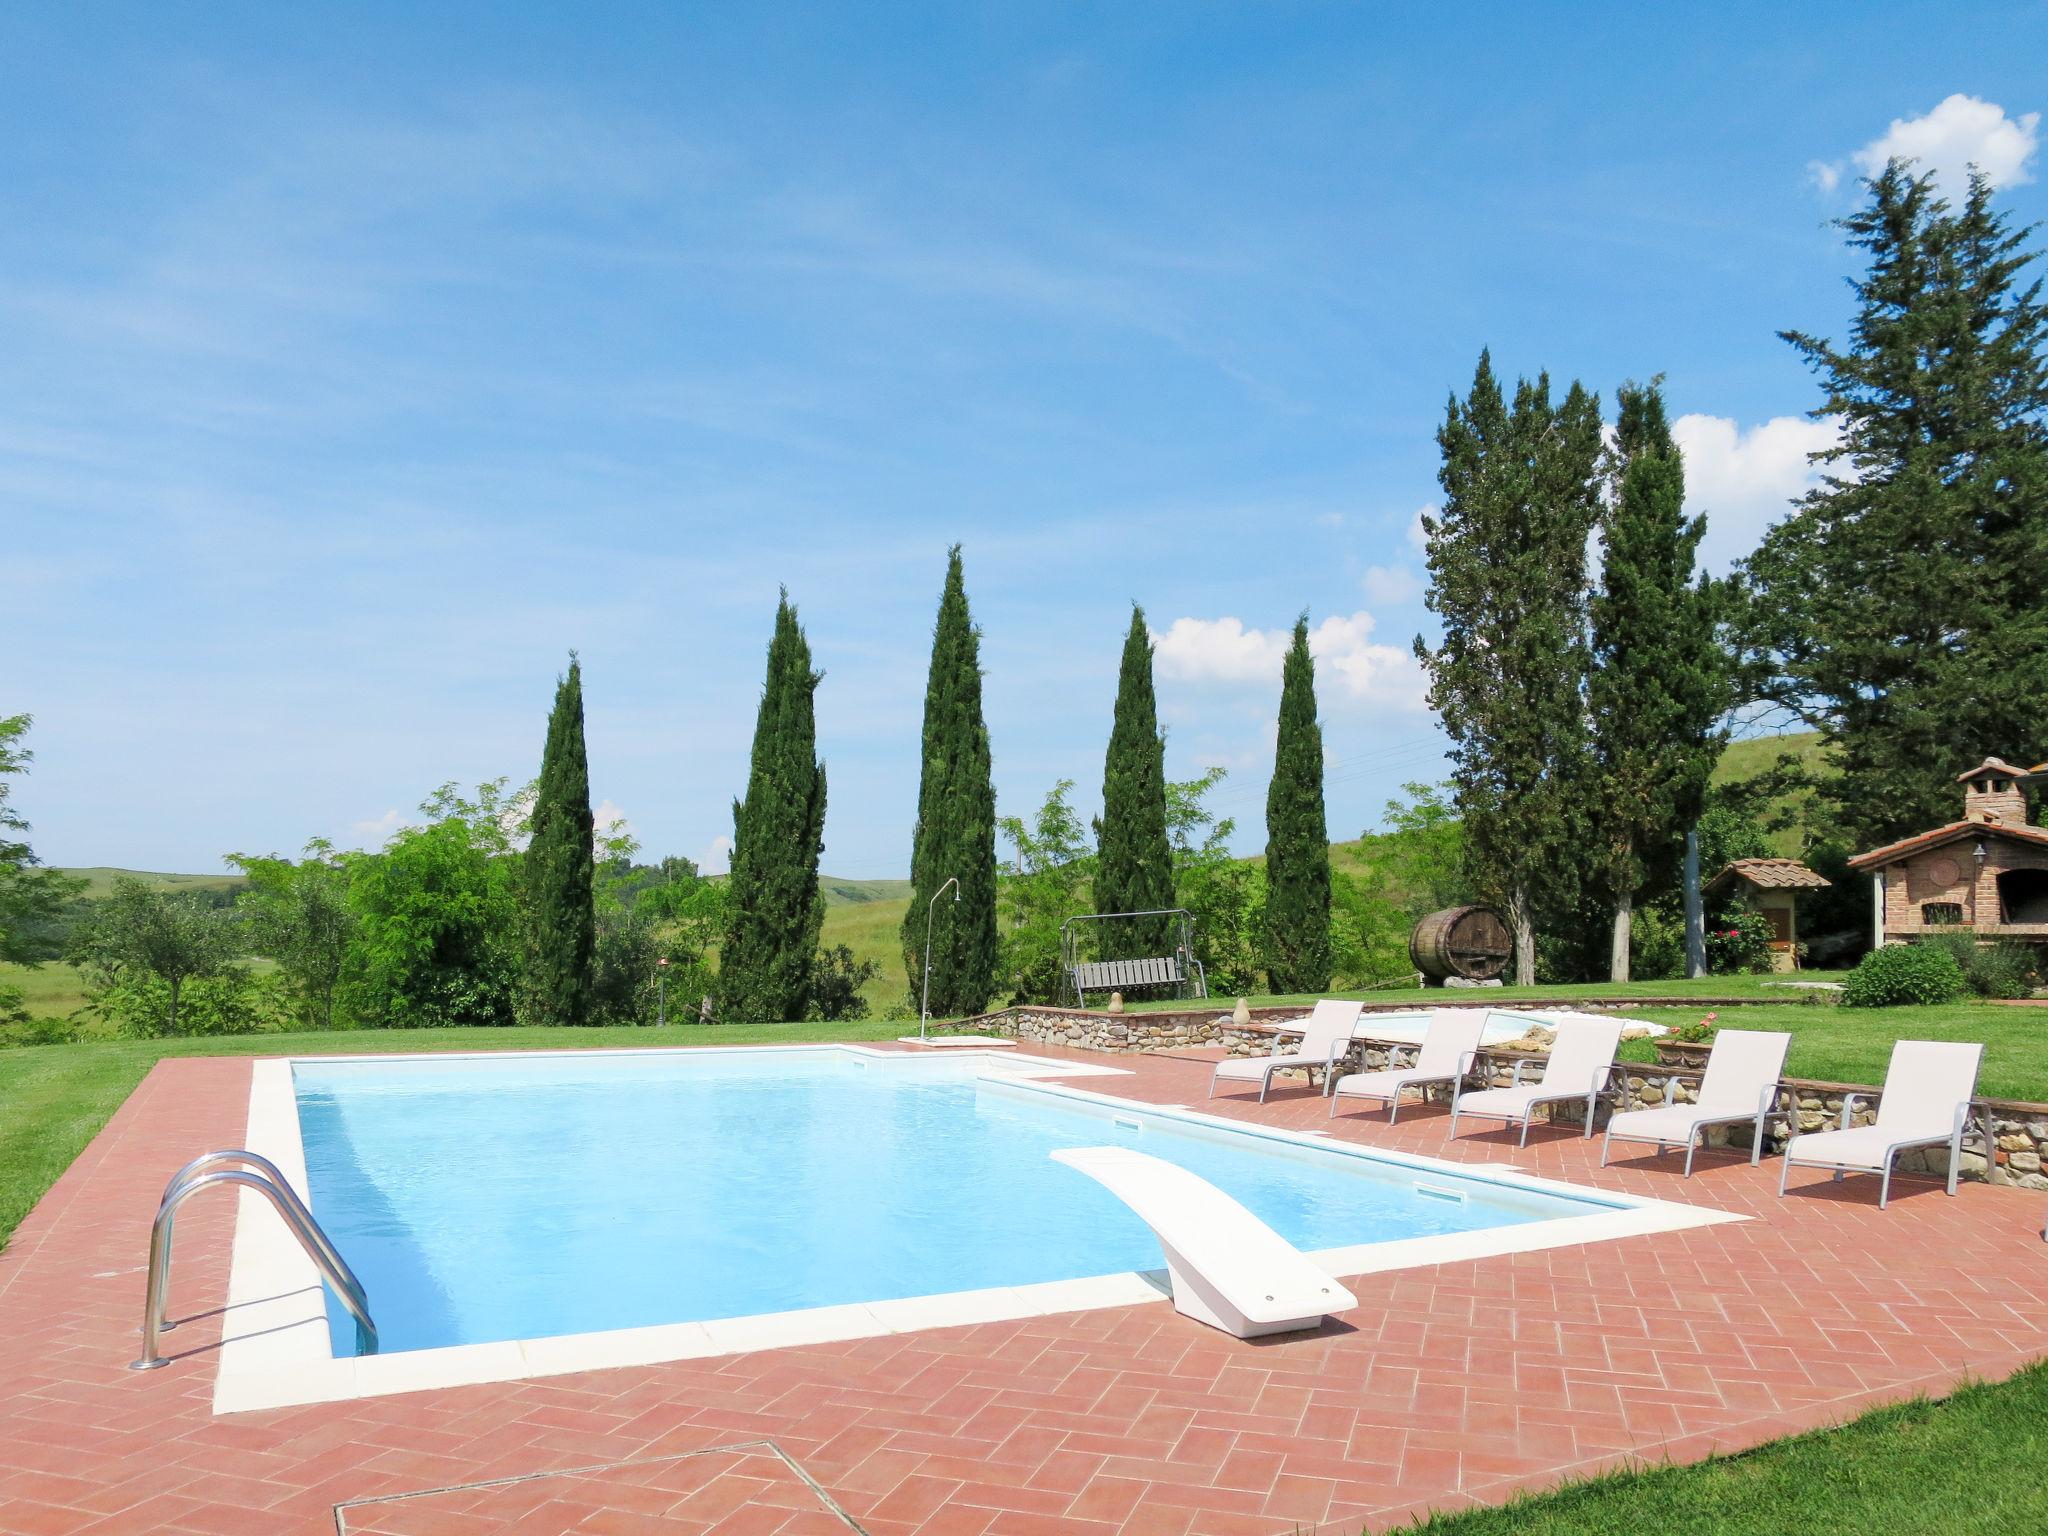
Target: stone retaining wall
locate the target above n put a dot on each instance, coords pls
(2017, 1130)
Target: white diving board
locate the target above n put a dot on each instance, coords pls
(1229, 1269)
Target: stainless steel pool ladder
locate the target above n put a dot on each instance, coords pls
(236, 1166)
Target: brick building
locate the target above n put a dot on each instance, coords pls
(1987, 872)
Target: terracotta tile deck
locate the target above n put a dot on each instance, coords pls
(1448, 1385)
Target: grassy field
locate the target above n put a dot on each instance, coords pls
(1970, 1462)
(1829, 1042)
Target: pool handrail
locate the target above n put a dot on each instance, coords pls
(264, 1177)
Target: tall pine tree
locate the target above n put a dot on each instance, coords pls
(1507, 564)
(774, 907)
(1898, 609)
(1659, 675)
(1297, 835)
(1134, 860)
(559, 869)
(955, 835)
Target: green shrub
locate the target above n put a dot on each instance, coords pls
(231, 1002)
(1904, 973)
(836, 982)
(2004, 969)
(1739, 942)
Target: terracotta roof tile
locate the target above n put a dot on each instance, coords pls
(1774, 875)
(2037, 836)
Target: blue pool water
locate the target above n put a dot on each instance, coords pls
(489, 1198)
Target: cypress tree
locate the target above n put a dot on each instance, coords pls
(1297, 835)
(1659, 671)
(1507, 564)
(774, 907)
(1134, 862)
(559, 869)
(955, 835)
(1898, 608)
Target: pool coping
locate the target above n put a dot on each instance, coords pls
(278, 1353)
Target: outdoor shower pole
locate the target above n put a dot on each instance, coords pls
(924, 1001)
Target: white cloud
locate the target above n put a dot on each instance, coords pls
(1225, 651)
(1391, 585)
(1960, 132)
(375, 832)
(610, 821)
(1418, 536)
(1330, 520)
(1746, 479)
(716, 856)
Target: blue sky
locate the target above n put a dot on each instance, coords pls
(361, 361)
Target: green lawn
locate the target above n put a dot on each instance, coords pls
(54, 1098)
(1829, 1042)
(1968, 1463)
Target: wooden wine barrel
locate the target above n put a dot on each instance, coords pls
(1472, 942)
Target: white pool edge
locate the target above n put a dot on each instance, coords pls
(279, 1354)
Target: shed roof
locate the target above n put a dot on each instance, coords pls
(1771, 875)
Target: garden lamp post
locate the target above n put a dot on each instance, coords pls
(661, 990)
(924, 1002)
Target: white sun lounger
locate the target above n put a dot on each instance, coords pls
(1445, 1055)
(1580, 1061)
(1925, 1102)
(1229, 1269)
(1741, 1083)
(1325, 1037)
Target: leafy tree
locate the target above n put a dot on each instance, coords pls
(1047, 883)
(1297, 835)
(688, 913)
(141, 931)
(1225, 897)
(298, 915)
(836, 982)
(955, 835)
(1658, 682)
(1898, 608)
(32, 899)
(1507, 562)
(559, 870)
(1134, 862)
(437, 914)
(775, 910)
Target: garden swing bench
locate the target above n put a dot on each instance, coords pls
(1178, 969)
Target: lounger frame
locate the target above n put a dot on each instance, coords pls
(1954, 1142)
(1763, 1114)
(1399, 1085)
(1591, 1095)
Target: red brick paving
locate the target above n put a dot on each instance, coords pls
(1448, 1385)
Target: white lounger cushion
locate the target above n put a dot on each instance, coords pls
(1452, 1038)
(1332, 1021)
(1925, 1082)
(1229, 1269)
(1744, 1064)
(1582, 1051)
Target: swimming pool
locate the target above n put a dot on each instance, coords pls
(521, 1214)
(512, 1199)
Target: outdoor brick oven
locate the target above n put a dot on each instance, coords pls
(1987, 873)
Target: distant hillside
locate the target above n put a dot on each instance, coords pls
(99, 881)
(1759, 754)
(859, 892)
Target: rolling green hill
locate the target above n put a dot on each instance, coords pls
(99, 880)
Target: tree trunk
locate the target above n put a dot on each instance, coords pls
(175, 984)
(1525, 936)
(1624, 914)
(1695, 920)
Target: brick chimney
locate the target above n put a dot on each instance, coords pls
(1992, 792)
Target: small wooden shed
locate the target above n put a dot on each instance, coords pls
(1772, 886)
